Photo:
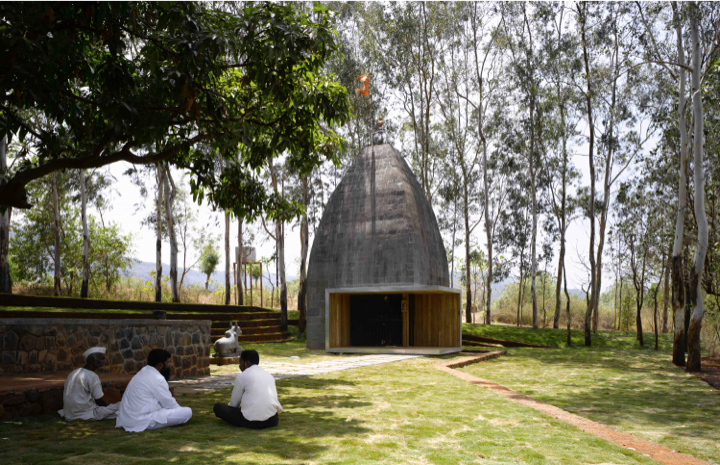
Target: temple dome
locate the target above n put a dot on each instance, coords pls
(378, 229)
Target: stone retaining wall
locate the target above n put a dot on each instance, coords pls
(45, 345)
(46, 400)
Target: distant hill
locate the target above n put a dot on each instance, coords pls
(142, 271)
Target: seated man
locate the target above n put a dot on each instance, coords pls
(147, 402)
(254, 401)
(83, 397)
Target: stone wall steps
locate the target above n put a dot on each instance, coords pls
(244, 316)
(225, 325)
(257, 338)
(248, 331)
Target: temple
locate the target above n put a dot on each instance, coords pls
(378, 273)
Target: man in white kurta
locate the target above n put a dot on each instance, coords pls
(254, 402)
(147, 402)
(83, 397)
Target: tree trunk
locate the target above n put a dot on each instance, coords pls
(655, 305)
(5, 217)
(280, 231)
(304, 242)
(56, 232)
(486, 189)
(158, 233)
(466, 217)
(86, 237)
(621, 303)
(639, 282)
(696, 272)
(239, 260)
(544, 281)
(563, 220)
(533, 248)
(569, 315)
(678, 286)
(280, 247)
(533, 178)
(520, 295)
(582, 13)
(170, 220)
(666, 292)
(228, 287)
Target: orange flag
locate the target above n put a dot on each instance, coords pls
(365, 90)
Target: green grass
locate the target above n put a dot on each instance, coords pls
(400, 413)
(292, 314)
(615, 382)
(410, 413)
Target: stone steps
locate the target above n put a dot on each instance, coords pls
(248, 331)
(276, 336)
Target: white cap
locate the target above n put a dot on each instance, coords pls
(94, 350)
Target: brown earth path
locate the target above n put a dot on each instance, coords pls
(656, 452)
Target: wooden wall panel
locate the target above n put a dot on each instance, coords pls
(437, 320)
(339, 320)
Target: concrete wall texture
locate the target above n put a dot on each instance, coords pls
(30, 345)
(378, 229)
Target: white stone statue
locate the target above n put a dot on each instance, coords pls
(228, 346)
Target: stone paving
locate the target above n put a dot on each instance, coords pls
(288, 369)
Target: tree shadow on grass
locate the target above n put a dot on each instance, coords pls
(314, 418)
(638, 389)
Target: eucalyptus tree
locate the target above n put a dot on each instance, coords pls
(403, 43)
(699, 68)
(170, 194)
(515, 225)
(588, 94)
(91, 188)
(453, 88)
(711, 273)
(479, 34)
(625, 116)
(559, 51)
(615, 89)
(636, 215)
(694, 24)
(519, 27)
(675, 64)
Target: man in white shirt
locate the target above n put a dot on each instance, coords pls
(254, 401)
(83, 397)
(147, 402)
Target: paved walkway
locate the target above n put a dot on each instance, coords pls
(282, 370)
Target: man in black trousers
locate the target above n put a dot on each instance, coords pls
(254, 401)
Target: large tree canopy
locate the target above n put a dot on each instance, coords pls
(214, 92)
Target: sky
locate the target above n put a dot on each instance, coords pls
(127, 196)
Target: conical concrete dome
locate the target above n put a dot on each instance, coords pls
(378, 230)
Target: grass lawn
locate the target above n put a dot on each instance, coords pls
(615, 382)
(399, 413)
(410, 413)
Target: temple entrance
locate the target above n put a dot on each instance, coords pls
(376, 320)
(409, 320)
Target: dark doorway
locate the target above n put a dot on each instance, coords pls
(376, 320)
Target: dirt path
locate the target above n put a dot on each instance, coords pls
(656, 452)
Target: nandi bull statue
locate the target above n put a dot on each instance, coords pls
(228, 346)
